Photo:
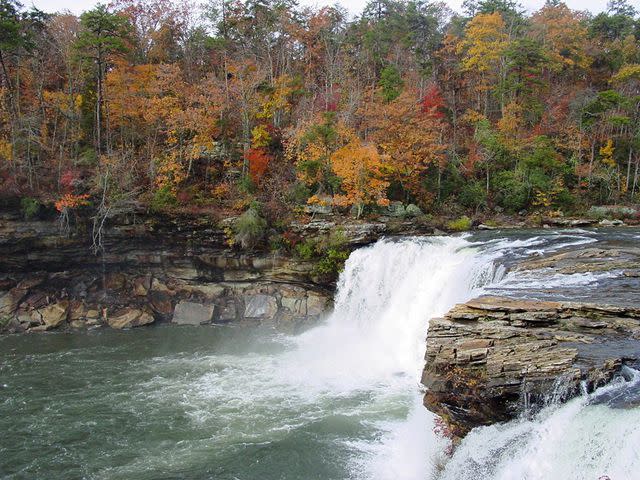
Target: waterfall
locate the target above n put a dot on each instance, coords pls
(582, 439)
(385, 298)
(374, 340)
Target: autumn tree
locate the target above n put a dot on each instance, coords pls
(563, 35)
(311, 147)
(410, 139)
(20, 36)
(176, 105)
(483, 49)
(360, 169)
(157, 27)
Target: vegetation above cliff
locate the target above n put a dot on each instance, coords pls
(261, 107)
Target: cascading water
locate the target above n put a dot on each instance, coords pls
(386, 296)
(375, 336)
(341, 401)
(374, 340)
(583, 439)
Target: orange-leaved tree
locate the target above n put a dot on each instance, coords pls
(410, 139)
(259, 159)
(360, 169)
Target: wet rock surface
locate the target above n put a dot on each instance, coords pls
(588, 259)
(490, 359)
(130, 318)
(192, 313)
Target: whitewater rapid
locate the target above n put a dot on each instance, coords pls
(583, 439)
(375, 339)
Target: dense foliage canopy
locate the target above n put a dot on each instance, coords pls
(230, 104)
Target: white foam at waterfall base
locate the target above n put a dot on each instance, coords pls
(375, 340)
(576, 441)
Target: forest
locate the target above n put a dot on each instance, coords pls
(263, 108)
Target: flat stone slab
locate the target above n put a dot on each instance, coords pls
(260, 306)
(191, 313)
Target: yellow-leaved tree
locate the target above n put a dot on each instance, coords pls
(563, 32)
(483, 48)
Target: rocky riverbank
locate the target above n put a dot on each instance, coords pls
(158, 268)
(151, 270)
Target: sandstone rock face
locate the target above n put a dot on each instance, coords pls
(8, 303)
(490, 357)
(130, 318)
(356, 232)
(9, 300)
(190, 313)
(316, 304)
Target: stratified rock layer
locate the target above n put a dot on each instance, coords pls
(492, 357)
(152, 270)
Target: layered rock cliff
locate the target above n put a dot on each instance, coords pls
(493, 358)
(152, 269)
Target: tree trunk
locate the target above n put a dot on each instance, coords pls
(99, 105)
(635, 177)
(628, 169)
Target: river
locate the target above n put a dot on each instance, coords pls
(340, 401)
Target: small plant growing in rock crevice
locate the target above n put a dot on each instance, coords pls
(460, 225)
(329, 252)
(306, 250)
(331, 262)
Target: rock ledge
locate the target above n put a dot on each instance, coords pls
(492, 357)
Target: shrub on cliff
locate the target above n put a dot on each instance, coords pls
(249, 228)
(332, 262)
(29, 207)
(328, 251)
(163, 199)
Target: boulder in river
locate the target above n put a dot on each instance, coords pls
(52, 316)
(611, 223)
